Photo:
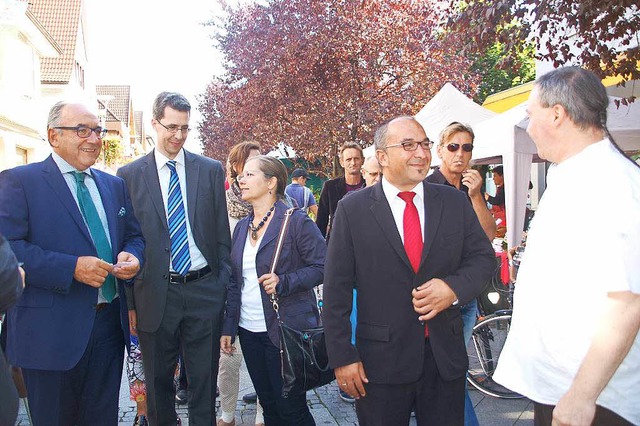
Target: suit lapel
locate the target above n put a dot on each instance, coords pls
(56, 181)
(432, 216)
(192, 174)
(150, 175)
(382, 213)
(274, 226)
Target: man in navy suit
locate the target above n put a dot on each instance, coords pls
(415, 252)
(66, 330)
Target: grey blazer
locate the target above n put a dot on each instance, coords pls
(207, 211)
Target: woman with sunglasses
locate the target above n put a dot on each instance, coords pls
(454, 149)
(300, 268)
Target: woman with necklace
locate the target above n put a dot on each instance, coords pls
(230, 363)
(300, 268)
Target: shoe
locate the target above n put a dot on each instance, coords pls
(250, 398)
(223, 423)
(346, 397)
(140, 420)
(181, 396)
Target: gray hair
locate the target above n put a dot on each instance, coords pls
(169, 99)
(55, 113)
(380, 137)
(579, 92)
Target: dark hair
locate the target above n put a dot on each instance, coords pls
(238, 155)
(272, 167)
(380, 137)
(169, 99)
(351, 145)
(453, 128)
(498, 170)
(579, 92)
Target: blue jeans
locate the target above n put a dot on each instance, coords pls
(469, 312)
(265, 369)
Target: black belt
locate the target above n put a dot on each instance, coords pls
(191, 275)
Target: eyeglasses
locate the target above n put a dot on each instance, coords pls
(372, 174)
(84, 131)
(412, 146)
(453, 147)
(173, 128)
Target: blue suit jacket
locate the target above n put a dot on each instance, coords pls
(300, 268)
(50, 325)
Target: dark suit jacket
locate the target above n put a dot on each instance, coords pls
(300, 268)
(10, 290)
(50, 326)
(332, 191)
(207, 210)
(366, 252)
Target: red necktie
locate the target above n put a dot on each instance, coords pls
(412, 230)
(412, 234)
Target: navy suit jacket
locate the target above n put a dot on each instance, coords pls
(51, 323)
(366, 252)
(300, 268)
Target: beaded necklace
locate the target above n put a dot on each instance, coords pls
(255, 229)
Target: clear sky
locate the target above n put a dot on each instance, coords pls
(153, 45)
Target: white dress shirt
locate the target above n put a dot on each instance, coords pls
(164, 174)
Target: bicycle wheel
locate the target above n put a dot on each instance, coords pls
(484, 348)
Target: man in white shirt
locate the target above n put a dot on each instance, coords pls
(573, 347)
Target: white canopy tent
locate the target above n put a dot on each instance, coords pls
(503, 139)
(448, 105)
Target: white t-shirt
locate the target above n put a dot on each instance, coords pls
(584, 241)
(251, 312)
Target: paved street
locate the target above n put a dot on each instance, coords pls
(328, 409)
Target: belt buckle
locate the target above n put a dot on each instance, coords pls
(175, 278)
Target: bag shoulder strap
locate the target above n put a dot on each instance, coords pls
(276, 254)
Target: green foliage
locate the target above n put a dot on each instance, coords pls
(496, 77)
(112, 150)
(599, 35)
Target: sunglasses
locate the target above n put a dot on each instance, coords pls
(453, 147)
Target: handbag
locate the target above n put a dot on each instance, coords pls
(303, 353)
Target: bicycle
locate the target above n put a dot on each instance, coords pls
(489, 335)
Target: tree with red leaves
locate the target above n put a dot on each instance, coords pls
(600, 35)
(313, 74)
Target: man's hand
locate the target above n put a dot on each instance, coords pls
(226, 346)
(471, 179)
(572, 410)
(133, 322)
(91, 270)
(351, 379)
(431, 298)
(127, 267)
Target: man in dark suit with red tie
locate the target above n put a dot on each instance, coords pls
(415, 252)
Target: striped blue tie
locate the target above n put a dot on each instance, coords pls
(180, 259)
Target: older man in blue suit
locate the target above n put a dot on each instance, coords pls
(74, 229)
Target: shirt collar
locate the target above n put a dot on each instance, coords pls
(391, 192)
(161, 159)
(65, 167)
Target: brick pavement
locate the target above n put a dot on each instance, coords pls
(328, 409)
